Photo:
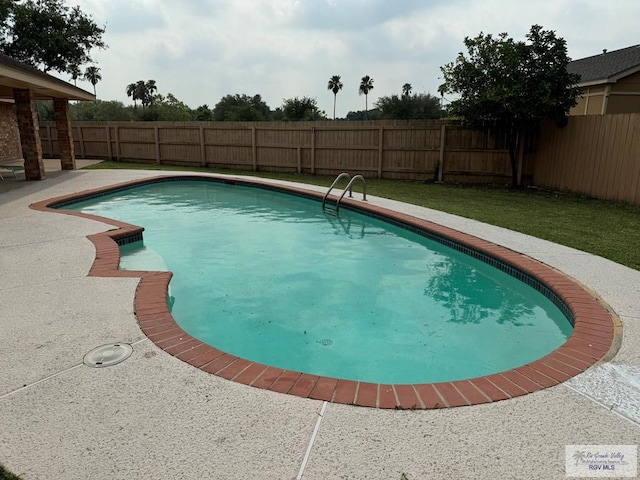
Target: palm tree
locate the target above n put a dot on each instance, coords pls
(75, 72)
(366, 85)
(149, 89)
(335, 85)
(92, 74)
(141, 91)
(132, 91)
(406, 89)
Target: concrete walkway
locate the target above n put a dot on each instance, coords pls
(155, 417)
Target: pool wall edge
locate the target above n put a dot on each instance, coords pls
(596, 336)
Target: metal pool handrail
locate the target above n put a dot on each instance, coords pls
(337, 179)
(348, 188)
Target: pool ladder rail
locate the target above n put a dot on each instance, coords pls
(333, 208)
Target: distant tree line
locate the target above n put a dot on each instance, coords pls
(149, 105)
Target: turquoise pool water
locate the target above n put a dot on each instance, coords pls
(270, 278)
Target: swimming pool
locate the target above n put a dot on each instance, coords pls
(319, 339)
(271, 278)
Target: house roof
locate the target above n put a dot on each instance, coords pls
(607, 67)
(15, 74)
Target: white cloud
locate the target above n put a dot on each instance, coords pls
(201, 50)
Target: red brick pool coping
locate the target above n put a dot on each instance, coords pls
(595, 336)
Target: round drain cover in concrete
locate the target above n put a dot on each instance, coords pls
(108, 355)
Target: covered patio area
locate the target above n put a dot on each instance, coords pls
(20, 86)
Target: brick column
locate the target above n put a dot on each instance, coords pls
(65, 137)
(29, 134)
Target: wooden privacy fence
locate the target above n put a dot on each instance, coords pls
(413, 150)
(595, 155)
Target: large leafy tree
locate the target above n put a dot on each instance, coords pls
(408, 107)
(366, 85)
(335, 85)
(301, 109)
(167, 108)
(511, 85)
(203, 113)
(101, 111)
(48, 35)
(406, 89)
(360, 115)
(241, 108)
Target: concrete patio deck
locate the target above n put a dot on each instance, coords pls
(155, 417)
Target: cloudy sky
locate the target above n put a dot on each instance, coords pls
(201, 50)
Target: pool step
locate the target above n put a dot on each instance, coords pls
(331, 209)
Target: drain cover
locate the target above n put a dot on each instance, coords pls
(325, 342)
(108, 355)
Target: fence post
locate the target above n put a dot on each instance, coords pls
(81, 141)
(203, 152)
(313, 150)
(109, 141)
(521, 141)
(299, 159)
(156, 136)
(380, 150)
(254, 149)
(117, 133)
(443, 134)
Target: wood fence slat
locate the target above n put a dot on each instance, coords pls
(626, 192)
(109, 152)
(635, 156)
(574, 171)
(380, 150)
(615, 180)
(600, 163)
(156, 136)
(611, 161)
(80, 142)
(590, 127)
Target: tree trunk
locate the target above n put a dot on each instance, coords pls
(335, 95)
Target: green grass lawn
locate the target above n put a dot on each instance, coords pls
(608, 229)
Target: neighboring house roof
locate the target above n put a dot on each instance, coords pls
(15, 74)
(607, 67)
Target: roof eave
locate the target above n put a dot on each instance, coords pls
(593, 83)
(624, 73)
(42, 87)
(612, 78)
